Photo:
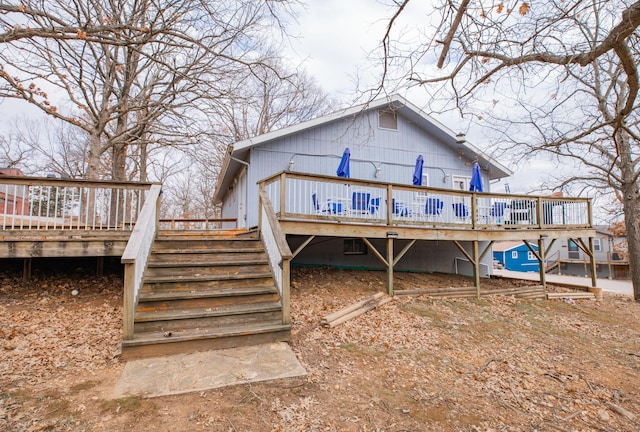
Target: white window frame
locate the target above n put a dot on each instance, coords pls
(597, 245)
(425, 182)
(464, 180)
(388, 112)
(531, 256)
(514, 254)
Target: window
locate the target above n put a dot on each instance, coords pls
(354, 246)
(596, 245)
(514, 254)
(531, 256)
(574, 252)
(461, 183)
(388, 120)
(425, 182)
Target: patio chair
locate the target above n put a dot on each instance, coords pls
(374, 206)
(399, 208)
(497, 212)
(317, 208)
(460, 211)
(433, 208)
(360, 203)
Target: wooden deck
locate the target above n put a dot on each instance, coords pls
(63, 218)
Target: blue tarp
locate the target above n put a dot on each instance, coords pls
(343, 168)
(417, 173)
(475, 185)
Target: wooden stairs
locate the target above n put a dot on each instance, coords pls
(205, 291)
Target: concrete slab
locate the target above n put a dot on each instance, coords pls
(608, 285)
(183, 373)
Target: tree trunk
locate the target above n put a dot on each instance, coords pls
(631, 210)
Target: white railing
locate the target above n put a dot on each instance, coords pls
(31, 203)
(308, 196)
(136, 256)
(278, 252)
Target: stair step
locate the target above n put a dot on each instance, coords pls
(204, 277)
(208, 284)
(187, 341)
(197, 294)
(185, 314)
(222, 317)
(190, 251)
(207, 263)
(208, 244)
(207, 300)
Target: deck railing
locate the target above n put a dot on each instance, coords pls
(309, 196)
(32, 203)
(136, 256)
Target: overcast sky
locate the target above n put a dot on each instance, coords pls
(335, 38)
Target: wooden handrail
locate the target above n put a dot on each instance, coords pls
(47, 181)
(136, 255)
(280, 259)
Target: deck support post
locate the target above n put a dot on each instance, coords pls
(26, 269)
(390, 266)
(100, 266)
(542, 270)
(594, 269)
(476, 267)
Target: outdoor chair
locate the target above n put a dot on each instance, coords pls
(497, 212)
(399, 208)
(360, 202)
(461, 211)
(317, 207)
(374, 206)
(433, 208)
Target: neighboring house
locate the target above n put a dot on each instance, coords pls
(567, 256)
(516, 256)
(12, 197)
(385, 137)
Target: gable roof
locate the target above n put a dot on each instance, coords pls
(237, 153)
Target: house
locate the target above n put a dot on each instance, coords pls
(516, 256)
(384, 137)
(379, 186)
(571, 257)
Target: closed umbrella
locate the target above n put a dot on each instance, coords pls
(475, 185)
(417, 172)
(343, 168)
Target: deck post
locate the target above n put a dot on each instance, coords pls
(129, 301)
(476, 267)
(541, 259)
(26, 269)
(592, 255)
(390, 266)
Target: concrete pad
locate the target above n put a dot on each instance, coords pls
(183, 373)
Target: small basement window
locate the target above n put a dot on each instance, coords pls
(388, 120)
(354, 246)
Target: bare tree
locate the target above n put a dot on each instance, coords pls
(561, 74)
(131, 73)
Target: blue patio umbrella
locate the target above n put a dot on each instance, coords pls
(475, 185)
(343, 168)
(417, 173)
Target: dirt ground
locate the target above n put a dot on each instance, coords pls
(414, 364)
